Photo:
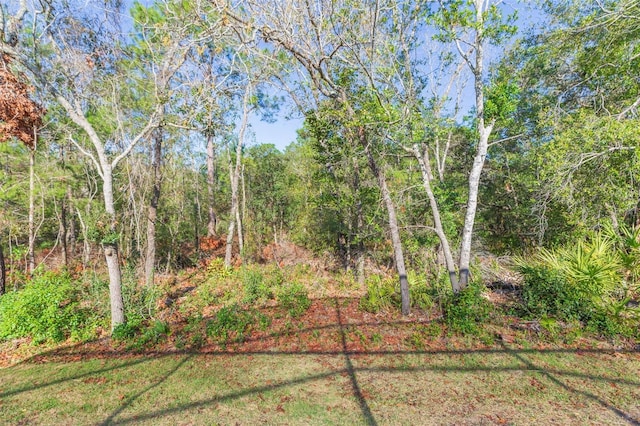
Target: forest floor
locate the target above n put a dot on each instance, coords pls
(332, 364)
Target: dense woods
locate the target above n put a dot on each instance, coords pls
(437, 138)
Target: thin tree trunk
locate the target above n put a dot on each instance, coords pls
(32, 237)
(63, 231)
(240, 216)
(86, 247)
(427, 176)
(393, 224)
(197, 210)
(150, 259)
(71, 229)
(3, 273)
(360, 278)
(111, 252)
(484, 131)
(211, 181)
(64, 209)
(235, 177)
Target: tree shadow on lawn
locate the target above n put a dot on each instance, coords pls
(350, 370)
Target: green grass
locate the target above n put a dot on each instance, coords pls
(500, 386)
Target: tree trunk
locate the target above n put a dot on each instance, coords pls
(235, 180)
(197, 210)
(425, 169)
(484, 131)
(240, 216)
(393, 224)
(86, 247)
(472, 205)
(111, 252)
(63, 231)
(64, 215)
(211, 181)
(150, 259)
(32, 234)
(71, 228)
(360, 278)
(3, 273)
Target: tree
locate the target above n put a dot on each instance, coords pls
(469, 26)
(76, 61)
(235, 223)
(576, 165)
(20, 117)
(336, 59)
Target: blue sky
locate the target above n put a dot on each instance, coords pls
(281, 133)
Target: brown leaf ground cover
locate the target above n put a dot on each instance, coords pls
(332, 364)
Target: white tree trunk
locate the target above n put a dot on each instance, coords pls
(234, 217)
(393, 225)
(211, 181)
(427, 177)
(111, 252)
(484, 131)
(31, 259)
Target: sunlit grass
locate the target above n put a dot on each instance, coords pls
(470, 387)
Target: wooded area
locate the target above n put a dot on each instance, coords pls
(441, 139)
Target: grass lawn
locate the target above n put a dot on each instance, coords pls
(475, 387)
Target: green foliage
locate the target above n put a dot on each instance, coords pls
(127, 330)
(421, 294)
(140, 334)
(102, 230)
(591, 281)
(381, 292)
(47, 309)
(465, 311)
(545, 292)
(139, 300)
(154, 333)
(230, 321)
(255, 286)
(294, 298)
(501, 100)
(217, 270)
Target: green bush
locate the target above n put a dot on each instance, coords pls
(127, 330)
(47, 309)
(545, 292)
(217, 270)
(294, 298)
(255, 286)
(465, 311)
(381, 294)
(610, 325)
(230, 321)
(590, 281)
(154, 333)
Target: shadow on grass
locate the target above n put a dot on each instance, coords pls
(524, 364)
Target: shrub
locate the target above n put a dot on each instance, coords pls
(294, 298)
(381, 294)
(590, 281)
(217, 270)
(545, 292)
(465, 311)
(255, 286)
(46, 309)
(127, 330)
(228, 321)
(154, 334)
